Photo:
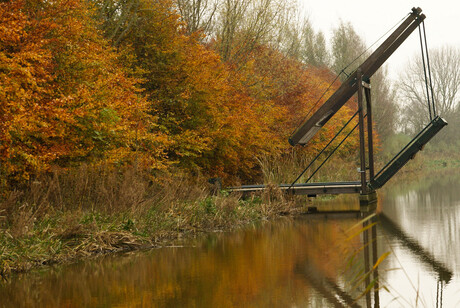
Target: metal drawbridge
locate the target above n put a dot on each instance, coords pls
(360, 82)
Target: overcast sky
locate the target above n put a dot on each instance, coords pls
(372, 18)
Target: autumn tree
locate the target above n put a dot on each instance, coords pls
(299, 90)
(116, 18)
(212, 124)
(65, 98)
(221, 111)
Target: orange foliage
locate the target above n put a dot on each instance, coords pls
(67, 97)
(299, 90)
(64, 97)
(209, 115)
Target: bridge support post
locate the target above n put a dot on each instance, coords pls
(362, 142)
(368, 195)
(368, 201)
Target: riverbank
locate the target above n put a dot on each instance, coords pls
(68, 217)
(426, 163)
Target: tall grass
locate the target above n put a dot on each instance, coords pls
(87, 211)
(286, 168)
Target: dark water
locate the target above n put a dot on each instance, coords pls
(312, 261)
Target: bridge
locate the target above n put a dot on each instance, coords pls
(359, 82)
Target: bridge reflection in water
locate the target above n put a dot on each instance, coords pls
(337, 296)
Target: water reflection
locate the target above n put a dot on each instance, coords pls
(375, 257)
(325, 286)
(420, 223)
(443, 273)
(258, 267)
(428, 210)
(339, 296)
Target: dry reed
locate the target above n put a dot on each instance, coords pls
(64, 216)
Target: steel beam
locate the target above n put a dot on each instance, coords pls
(407, 153)
(362, 141)
(308, 129)
(370, 138)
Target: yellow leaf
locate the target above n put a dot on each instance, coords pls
(381, 258)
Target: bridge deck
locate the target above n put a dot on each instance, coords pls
(387, 172)
(306, 189)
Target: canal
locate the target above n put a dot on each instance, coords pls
(310, 261)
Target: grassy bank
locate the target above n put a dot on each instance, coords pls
(87, 212)
(65, 217)
(434, 156)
